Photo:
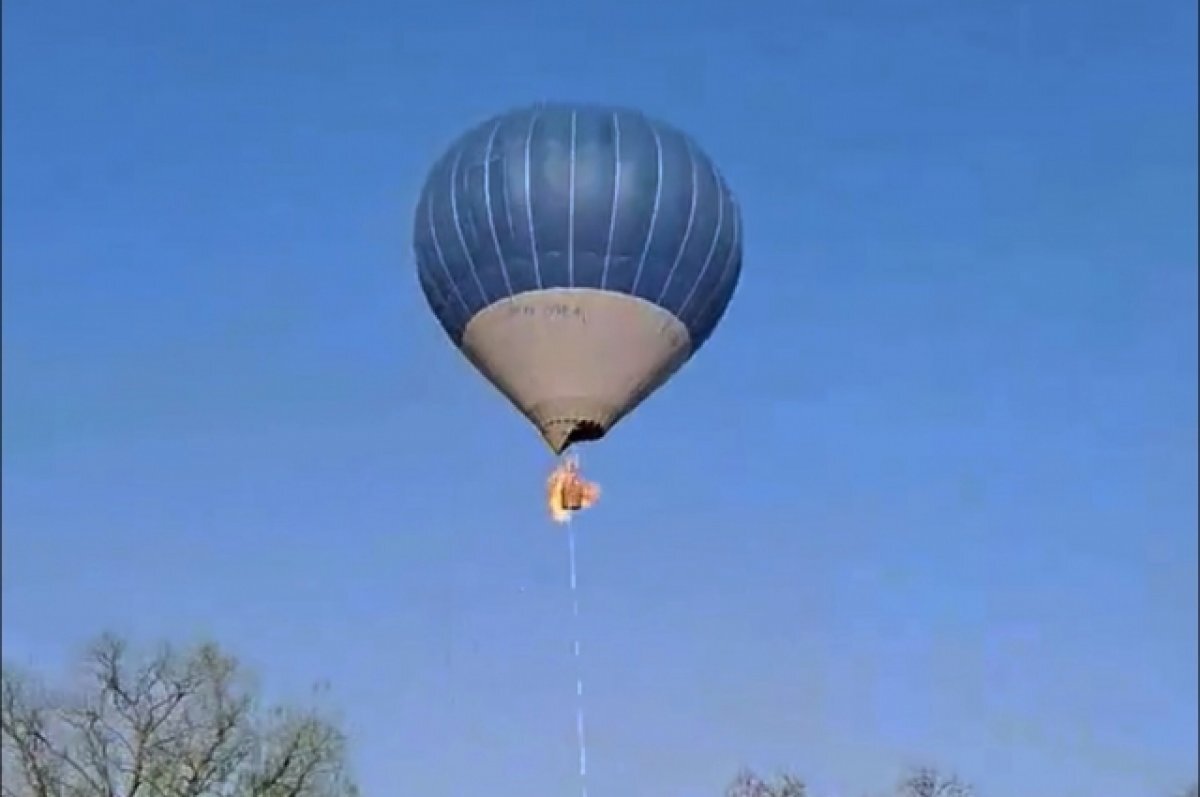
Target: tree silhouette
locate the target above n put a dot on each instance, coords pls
(747, 784)
(169, 725)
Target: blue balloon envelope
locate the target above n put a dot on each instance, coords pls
(578, 255)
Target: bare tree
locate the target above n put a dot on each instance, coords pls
(747, 784)
(168, 725)
(922, 782)
(927, 782)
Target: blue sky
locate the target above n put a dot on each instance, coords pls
(928, 495)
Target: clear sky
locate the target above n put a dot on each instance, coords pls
(928, 495)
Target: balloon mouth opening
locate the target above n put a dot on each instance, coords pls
(571, 432)
(584, 432)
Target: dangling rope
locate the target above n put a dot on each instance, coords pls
(567, 493)
(582, 739)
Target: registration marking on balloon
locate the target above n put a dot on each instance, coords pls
(558, 310)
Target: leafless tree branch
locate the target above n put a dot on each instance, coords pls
(928, 782)
(747, 784)
(169, 725)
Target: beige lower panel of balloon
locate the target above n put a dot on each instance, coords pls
(576, 360)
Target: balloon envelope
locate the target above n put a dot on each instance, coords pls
(578, 256)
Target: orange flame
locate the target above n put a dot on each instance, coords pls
(567, 491)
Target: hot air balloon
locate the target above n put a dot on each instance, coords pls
(578, 256)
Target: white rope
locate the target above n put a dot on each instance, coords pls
(580, 736)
